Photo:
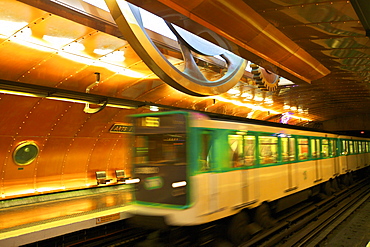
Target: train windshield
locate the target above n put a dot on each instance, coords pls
(160, 139)
(160, 159)
(160, 148)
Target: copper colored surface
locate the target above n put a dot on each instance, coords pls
(46, 44)
(37, 213)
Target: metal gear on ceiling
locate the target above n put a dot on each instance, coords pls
(190, 81)
(265, 76)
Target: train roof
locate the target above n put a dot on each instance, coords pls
(236, 119)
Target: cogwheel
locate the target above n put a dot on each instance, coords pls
(265, 79)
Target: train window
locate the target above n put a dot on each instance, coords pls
(344, 147)
(141, 146)
(355, 147)
(360, 150)
(249, 150)
(236, 150)
(325, 148)
(288, 149)
(160, 148)
(268, 149)
(350, 145)
(315, 148)
(333, 146)
(302, 148)
(205, 151)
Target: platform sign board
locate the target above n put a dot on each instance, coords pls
(121, 128)
(108, 218)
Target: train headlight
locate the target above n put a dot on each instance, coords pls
(132, 181)
(179, 184)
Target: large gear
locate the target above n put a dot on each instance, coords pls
(191, 80)
(265, 76)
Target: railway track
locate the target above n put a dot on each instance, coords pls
(307, 225)
(314, 223)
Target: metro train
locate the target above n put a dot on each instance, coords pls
(190, 169)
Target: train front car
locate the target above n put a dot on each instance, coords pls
(160, 168)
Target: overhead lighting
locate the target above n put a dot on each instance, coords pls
(14, 88)
(121, 106)
(234, 91)
(21, 93)
(69, 100)
(248, 105)
(154, 108)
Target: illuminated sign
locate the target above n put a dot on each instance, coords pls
(146, 170)
(121, 128)
(108, 218)
(153, 183)
(151, 122)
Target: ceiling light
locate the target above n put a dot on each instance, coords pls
(22, 93)
(154, 108)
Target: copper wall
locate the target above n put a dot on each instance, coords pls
(72, 145)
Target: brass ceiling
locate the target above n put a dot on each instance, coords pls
(329, 32)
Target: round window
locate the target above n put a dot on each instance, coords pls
(25, 153)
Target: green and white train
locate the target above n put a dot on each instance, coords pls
(190, 169)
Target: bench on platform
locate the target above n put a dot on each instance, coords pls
(121, 176)
(101, 177)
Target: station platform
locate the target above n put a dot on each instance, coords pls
(31, 219)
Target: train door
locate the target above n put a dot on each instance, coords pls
(315, 154)
(250, 188)
(334, 155)
(208, 183)
(288, 154)
(358, 150)
(344, 152)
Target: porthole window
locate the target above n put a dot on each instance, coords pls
(25, 153)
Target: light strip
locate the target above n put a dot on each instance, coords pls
(238, 103)
(21, 93)
(254, 107)
(121, 106)
(69, 100)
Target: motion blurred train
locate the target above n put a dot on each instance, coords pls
(190, 169)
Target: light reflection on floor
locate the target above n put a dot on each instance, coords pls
(33, 213)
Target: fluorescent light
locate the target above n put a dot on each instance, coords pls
(154, 108)
(179, 184)
(68, 100)
(121, 106)
(21, 93)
